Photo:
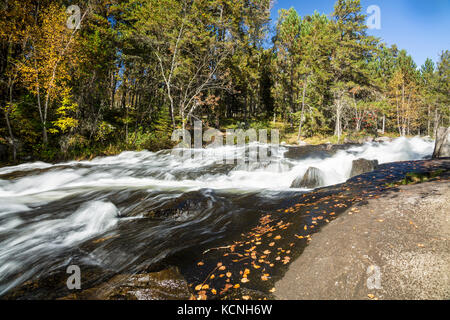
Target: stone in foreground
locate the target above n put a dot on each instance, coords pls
(362, 166)
(395, 248)
(313, 178)
(442, 148)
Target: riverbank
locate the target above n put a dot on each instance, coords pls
(403, 237)
(87, 151)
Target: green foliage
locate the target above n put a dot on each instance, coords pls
(66, 114)
(418, 177)
(136, 70)
(104, 132)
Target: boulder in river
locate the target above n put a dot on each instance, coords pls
(442, 147)
(362, 166)
(313, 178)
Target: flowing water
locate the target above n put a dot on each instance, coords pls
(133, 211)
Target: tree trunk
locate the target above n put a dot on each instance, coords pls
(44, 134)
(8, 123)
(305, 85)
(398, 119)
(13, 140)
(408, 126)
(42, 115)
(436, 122)
(172, 116)
(112, 90)
(183, 123)
(358, 116)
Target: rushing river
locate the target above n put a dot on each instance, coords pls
(150, 206)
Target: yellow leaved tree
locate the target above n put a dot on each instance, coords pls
(46, 69)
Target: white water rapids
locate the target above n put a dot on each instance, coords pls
(46, 210)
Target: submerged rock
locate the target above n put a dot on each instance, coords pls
(313, 178)
(164, 285)
(362, 166)
(442, 147)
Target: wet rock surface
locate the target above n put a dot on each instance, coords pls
(316, 151)
(244, 262)
(402, 237)
(261, 257)
(313, 178)
(442, 148)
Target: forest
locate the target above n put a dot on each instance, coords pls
(122, 75)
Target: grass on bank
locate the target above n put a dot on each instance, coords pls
(418, 177)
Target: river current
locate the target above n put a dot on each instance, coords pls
(151, 206)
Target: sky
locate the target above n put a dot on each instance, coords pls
(422, 27)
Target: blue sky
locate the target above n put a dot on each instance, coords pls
(422, 27)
